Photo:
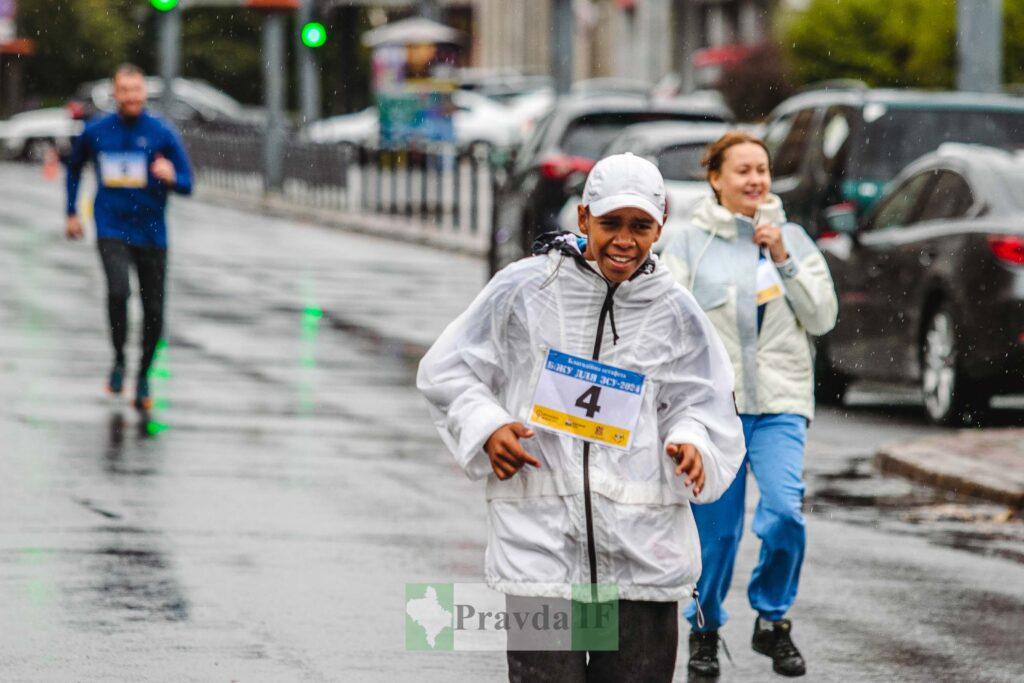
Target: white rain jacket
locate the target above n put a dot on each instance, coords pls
(717, 259)
(639, 533)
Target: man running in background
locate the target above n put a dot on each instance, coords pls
(138, 159)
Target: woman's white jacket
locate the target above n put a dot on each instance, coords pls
(480, 374)
(715, 257)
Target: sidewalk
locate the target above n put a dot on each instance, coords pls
(986, 464)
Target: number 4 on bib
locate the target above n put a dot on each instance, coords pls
(588, 401)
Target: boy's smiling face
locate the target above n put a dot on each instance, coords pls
(618, 241)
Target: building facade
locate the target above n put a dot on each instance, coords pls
(636, 39)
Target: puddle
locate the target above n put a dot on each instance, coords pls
(858, 494)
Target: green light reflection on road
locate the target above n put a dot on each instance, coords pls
(310, 324)
(37, 591)
(153, 427)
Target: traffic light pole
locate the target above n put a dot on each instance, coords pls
(170, 53)
(979, 51)
(309, 79)
(273, 89)
(561, 46)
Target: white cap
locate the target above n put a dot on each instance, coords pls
(625, 180)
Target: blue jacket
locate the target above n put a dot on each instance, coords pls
(130, 201)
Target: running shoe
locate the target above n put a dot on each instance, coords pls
(143, 401)
(116, 382)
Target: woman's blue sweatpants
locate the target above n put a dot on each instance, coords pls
(775, 453)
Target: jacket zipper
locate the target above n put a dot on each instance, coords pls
(591, 546)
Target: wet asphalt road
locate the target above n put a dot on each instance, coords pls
(260, 525)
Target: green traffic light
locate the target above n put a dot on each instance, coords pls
(314, 34)
(164, 5)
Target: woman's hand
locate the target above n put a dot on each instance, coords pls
(770, 237)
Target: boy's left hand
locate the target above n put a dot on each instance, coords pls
(688, 460)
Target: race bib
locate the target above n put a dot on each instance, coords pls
(769, 284)
(123, 169)
(587, 400)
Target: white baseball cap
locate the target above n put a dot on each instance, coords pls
(625, 180)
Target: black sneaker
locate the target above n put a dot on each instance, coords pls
(703, 653)
(143, 401)
(772, 638)
(116, 382)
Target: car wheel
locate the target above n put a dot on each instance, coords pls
(35, 149)
(949, 398)
(829, 384)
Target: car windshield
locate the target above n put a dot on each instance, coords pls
(682, 162)
(588, 136)
(898, 136)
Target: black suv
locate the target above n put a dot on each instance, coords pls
(843, 143)
(564, 146)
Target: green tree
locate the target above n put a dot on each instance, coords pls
(79, 40)
(898, 43)
(221, 45)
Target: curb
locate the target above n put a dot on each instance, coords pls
(986, 464)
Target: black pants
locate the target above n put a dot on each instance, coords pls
(648, 639)
(151, 267)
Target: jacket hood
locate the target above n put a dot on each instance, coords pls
(712, 217)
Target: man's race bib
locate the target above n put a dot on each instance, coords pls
(769, 284)
(123, 169)
(587, 400)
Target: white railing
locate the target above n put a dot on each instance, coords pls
(434, 194)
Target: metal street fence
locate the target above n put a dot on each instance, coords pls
(436, 194)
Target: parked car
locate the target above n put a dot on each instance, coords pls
(502, 85)
(478, 120)
(195, 101)
(676, 149)
(29, 134)
(566, 143)
(845, 142)
(931, 283)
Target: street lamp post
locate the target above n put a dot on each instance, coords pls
(979, 45)
(273, 92)
(561, 46)
(170, 49)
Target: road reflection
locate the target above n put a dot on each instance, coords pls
(126, 572)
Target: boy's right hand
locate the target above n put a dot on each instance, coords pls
(506, 455)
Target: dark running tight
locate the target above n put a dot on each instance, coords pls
(648, 635)
(151, 267)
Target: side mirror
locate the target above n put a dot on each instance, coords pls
(842, 218)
